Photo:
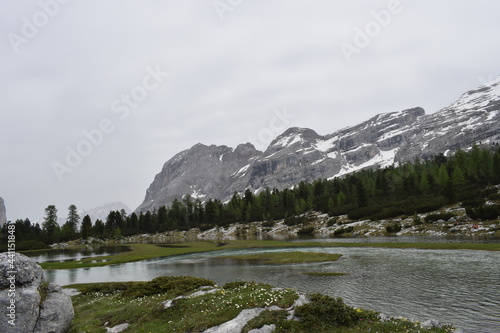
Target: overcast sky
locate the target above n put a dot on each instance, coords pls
(147, 79)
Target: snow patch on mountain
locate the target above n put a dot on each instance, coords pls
(102, 212)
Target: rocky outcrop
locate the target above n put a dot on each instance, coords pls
(29, 304)
(3, 213)
(300, 154)
(202, 172)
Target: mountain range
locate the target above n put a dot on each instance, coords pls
(301, 154)
(102, 212)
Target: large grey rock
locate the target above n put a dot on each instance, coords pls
(56, 312)
(27, 272)
(21, 302)
(3, 212)
(300, 154)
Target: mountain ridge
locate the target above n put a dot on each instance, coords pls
(301, 154)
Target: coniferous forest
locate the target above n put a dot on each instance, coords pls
(419, 187)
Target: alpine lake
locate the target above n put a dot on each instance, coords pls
(454, 286)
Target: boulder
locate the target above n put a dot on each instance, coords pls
(3, 213)
(56, 311)
(431, 324)
(21, 281)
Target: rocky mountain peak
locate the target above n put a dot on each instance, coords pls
(300, 154)
(294, 135)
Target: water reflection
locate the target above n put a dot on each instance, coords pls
(75, 254)
(448, 285)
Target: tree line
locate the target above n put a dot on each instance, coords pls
(407, 189)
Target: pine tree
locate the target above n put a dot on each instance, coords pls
(86, 227)
(50, 226)
(70, 228)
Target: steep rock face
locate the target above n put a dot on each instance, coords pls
(202, 171)
(3, 212)
(300, 154)
(21, 305)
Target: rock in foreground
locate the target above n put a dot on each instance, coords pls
(29, 304)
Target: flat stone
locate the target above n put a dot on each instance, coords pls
(117, 329)
(431, 323)
(236, 325)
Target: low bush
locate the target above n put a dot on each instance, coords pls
(306, 231)
(294, 220)
(342, 231)
(326, 311)
(331, 222)
(268, 224)
(393, 228)
(483, 212)
(438, 216)
(176, 285)
(205, 227)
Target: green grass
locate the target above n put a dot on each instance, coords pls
(139, 304)
(134, 303)
(324, 274)
(280, 258)
(150, 251)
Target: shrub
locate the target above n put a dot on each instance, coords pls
(439, 216)
(393, 228)
(324, 311)
(234, 284)
(473, 202)
(268, 224)
(494, 196)
(205, 226)
(342, 231)
(488, 191)
(175, 284)
(306, 231)
(484, 212)
(294, 220)
(417, 221)
(332, 221)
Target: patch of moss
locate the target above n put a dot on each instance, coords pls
(297, 257)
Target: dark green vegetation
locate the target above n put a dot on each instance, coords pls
(280, 258)
(139, 304)
(148, 251)
(418, 187)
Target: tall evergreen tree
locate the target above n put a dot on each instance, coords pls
(50, 226)
(86, 228)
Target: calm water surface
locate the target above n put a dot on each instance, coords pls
(453, 286)
(75, 254)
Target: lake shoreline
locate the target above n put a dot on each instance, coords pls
(141, 251)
